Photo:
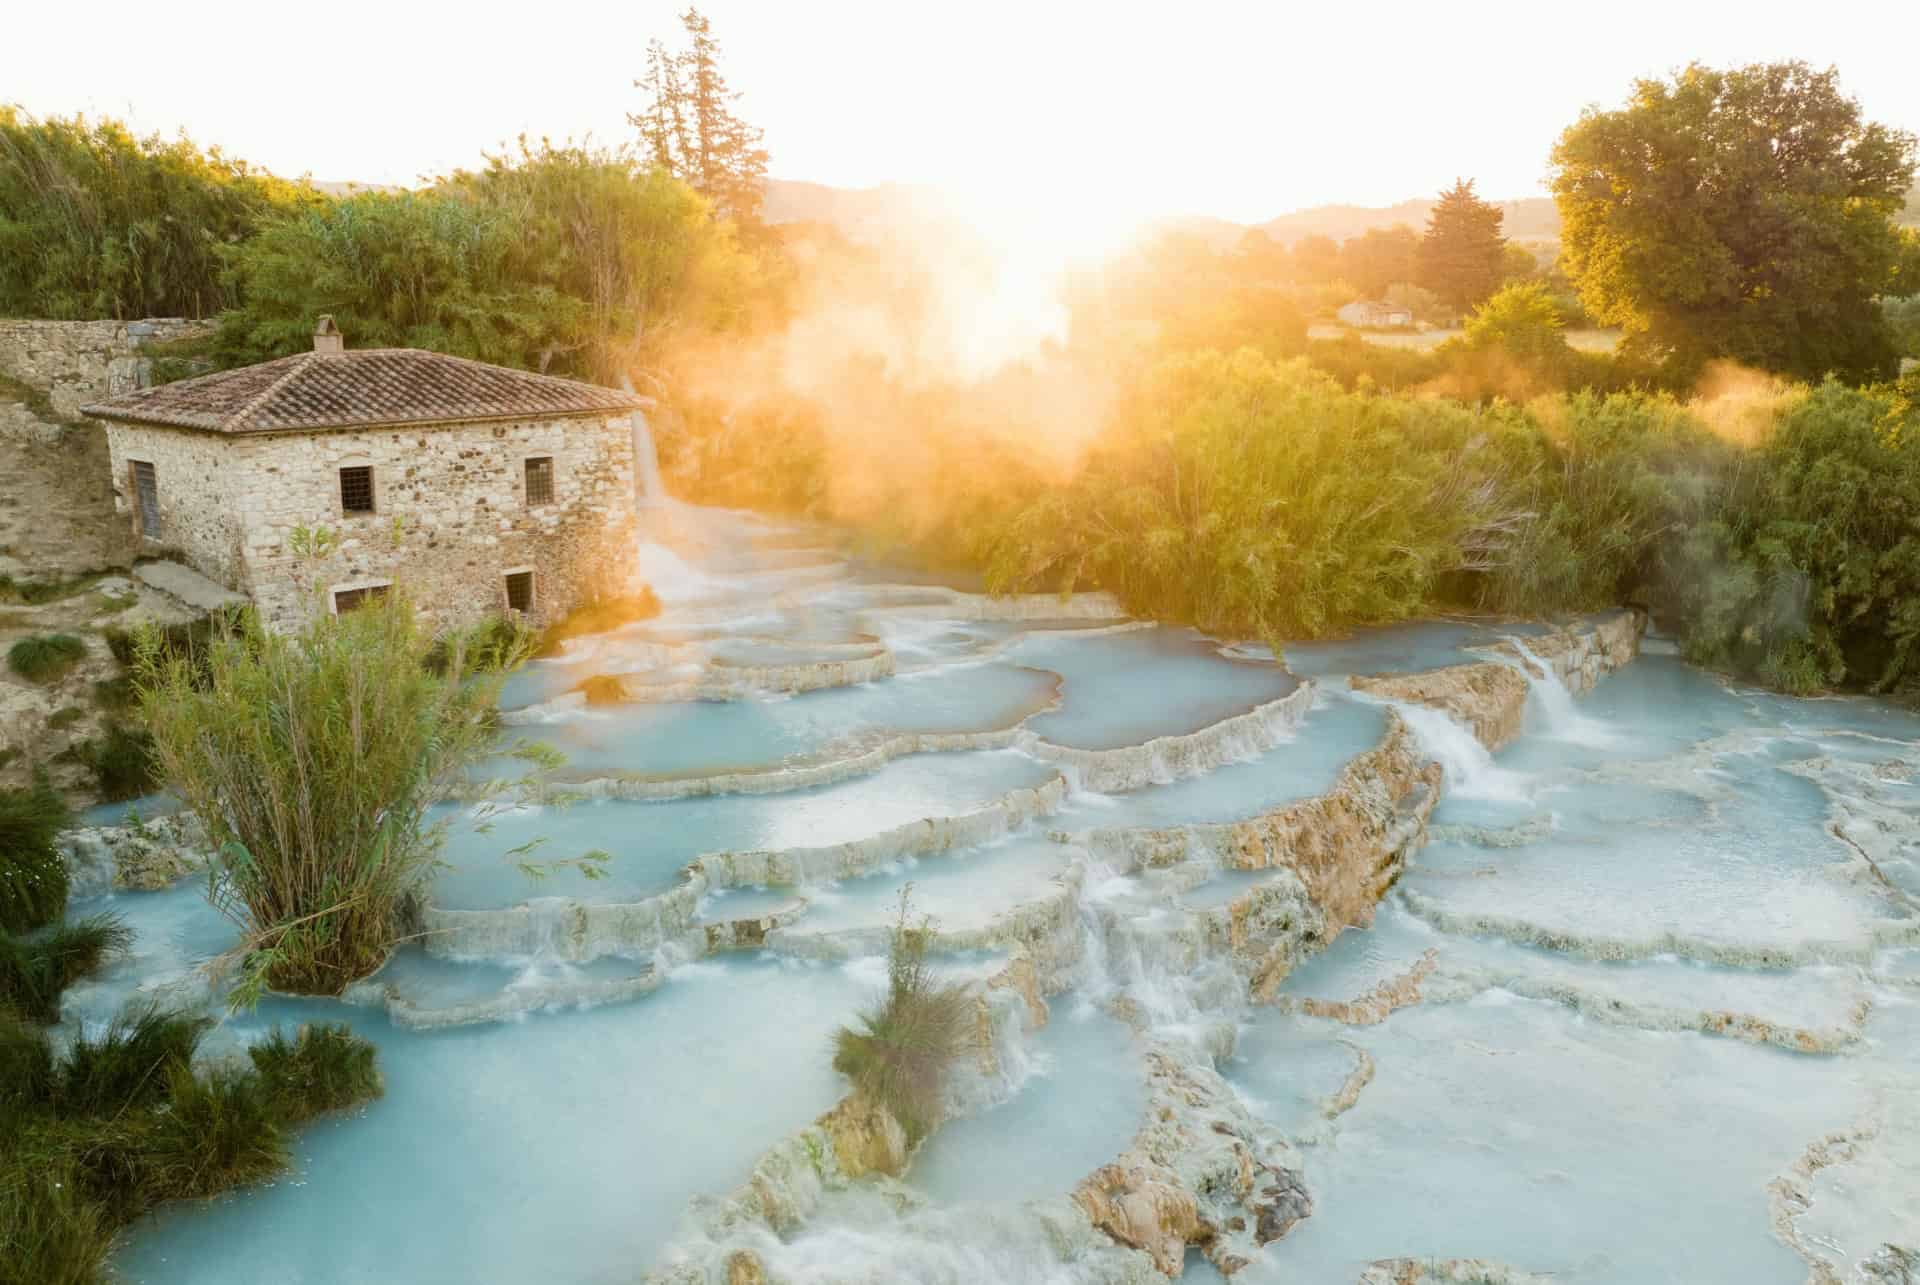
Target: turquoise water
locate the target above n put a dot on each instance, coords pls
(1660, 945)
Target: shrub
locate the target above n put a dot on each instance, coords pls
(54, 1234)
(45, 658)
(495, 645)
(35, 971)
(312, 760)
(116, 695)
(122, 762)
(900, 1053)
(219, 1131)
(127, 1066)
(1248, 498)
(33, 877)
(323, 1068)
(94, 1140)
(65, 717)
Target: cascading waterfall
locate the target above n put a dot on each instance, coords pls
(1690, 921)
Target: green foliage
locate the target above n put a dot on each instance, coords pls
(1688, 219)
(96, 222)
(688, 128)
(1463, 255)
(1380, 258)
(93, 1140)
(33, 877)
(900, 1053)
(312, 759)
(1259, 499)
(122, 762)
(35, 970)
(323, 1068)
(1602, 486)
(126, 1067)
(219, 1131)
(45, 658)
(1809, 573)
(1903, 324)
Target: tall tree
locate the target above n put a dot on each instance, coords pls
(688, 124)
(1744, 213)
(1463, 254)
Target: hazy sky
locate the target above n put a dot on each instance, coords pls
(1239, 110)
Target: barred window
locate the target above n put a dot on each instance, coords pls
(356, 489)
(345, 600)
(146, 498)
(540, 480)
(520, 590)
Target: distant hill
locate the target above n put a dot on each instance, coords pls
(1531, 218)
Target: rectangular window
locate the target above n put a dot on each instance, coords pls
(520, 590)
(345, 600)
(146, 499)
(540, 480)
(356, 490)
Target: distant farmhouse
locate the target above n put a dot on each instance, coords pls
(477, 488)
(1372, 313)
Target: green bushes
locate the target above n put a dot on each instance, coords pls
(322, 1068)
(96, 222)
(312, 759)
(1251, 498)
(95, 1139)
(35, 970)
(122, 762)
(45, 658)
(33, 878)
(900, 1053)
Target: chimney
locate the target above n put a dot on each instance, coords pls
(327, 337)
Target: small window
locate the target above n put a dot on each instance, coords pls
(356, 489)
(146, 498)
(520, 590)
(540, 480)
(345, 600)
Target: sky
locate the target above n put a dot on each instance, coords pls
(1240, 111)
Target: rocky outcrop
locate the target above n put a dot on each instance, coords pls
(1374, 1007)
(1487, 697)
(865, 1137)
(154, 854)
(1202, 1171)
(1447, 1271)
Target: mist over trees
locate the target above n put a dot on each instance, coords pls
(1745, 213)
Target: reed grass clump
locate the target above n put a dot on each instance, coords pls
(35, 970)
(322, 1068)
(94, 1139)
(901, 1051)
(312, 759)
(45, 658)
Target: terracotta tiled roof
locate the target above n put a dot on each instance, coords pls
(360, 388)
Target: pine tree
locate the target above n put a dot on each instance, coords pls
(1462, 255)
(688, 124)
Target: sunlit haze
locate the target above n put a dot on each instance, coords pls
(1086, 115)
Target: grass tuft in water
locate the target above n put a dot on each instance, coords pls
(35, 970)
(901, 1051)
(322, 1068)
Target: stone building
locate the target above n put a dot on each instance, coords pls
(477, 488)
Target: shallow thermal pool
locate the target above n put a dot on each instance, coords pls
(1654, 950)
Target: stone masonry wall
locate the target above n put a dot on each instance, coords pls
(198, 478)
(451, 516)
(76, 362)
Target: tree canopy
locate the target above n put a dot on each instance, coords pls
(688, 126)
(1745, 213)
(1463, 254)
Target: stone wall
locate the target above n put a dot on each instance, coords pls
(76, 362)
(451, 516)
